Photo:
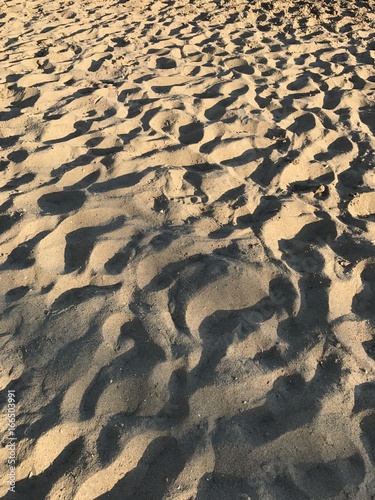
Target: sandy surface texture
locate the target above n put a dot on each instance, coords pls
(187, 266)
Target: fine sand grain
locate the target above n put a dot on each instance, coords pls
(187, 266)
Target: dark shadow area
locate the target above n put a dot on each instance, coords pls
(191, 133)
(215, 486)
(117, 263)
(61, 202)
(363, 303)
(290, 404)
(120, 182)
(16, 182)
(329, 479)
(80, 243)
(18, 156)
(8, 221)
(159, 467)
(16, 293)
(136, 362)
(76, 296)
(364, 397)
(37, 487)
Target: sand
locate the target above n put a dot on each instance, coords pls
(187, 259)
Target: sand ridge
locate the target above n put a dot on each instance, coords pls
(187, 259)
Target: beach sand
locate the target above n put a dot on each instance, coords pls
(187, 264)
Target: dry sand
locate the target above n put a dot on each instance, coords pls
(187, 249)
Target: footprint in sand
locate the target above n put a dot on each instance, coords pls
(178, 126)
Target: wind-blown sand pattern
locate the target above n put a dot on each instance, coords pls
(187, 249)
